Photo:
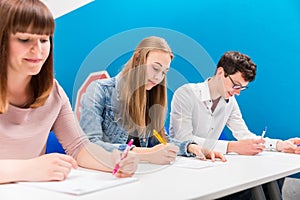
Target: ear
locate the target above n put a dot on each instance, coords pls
(220, 71)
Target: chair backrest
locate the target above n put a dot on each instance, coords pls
(93, 76)
(223, 136)
(53, 145)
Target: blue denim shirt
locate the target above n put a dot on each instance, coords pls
(97, 118)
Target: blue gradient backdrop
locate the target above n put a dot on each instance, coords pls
(268, 31)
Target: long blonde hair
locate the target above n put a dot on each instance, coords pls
(19, 16)
(141, 110)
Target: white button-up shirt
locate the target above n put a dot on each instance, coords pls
(192, 118)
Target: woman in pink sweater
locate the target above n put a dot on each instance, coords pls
(32, 103)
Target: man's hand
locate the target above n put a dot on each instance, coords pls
(289, 146)
(203, 154)
(247, 146)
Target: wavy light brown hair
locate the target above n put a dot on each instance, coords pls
(26, 16)
(142, 110)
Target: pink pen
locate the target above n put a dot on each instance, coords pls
(124, 154)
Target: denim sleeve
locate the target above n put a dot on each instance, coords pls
(183, 146)
(93, 103)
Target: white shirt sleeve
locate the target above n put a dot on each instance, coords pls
(240, 130)
(192, 119)
(181, 127)
(237, 124)
(271, 144)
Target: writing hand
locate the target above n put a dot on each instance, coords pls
(246, 146)
(49, 167)
(163, 154)
(287, 146)
(127, 166)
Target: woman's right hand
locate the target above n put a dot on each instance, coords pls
(128, 165)
(163, 154)
(48, 167)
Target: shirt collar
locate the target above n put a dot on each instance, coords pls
(205, 94)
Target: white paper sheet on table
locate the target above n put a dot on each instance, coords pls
(82, 181)
(195, 163)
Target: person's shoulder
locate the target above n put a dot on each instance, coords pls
(107, 82)
(189, 87)
(58, 89)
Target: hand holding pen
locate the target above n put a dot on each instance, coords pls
(158, 137)
(289, 146)
(163, 153)
(251, 146)
(123, 155)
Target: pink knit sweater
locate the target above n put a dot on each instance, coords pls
(24, 132)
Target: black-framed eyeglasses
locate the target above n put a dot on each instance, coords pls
(237, 86)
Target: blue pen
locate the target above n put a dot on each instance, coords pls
(298, 145)
(264, 132)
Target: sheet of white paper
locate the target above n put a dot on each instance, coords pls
(81, 182)
(195, 163)
(145, 168)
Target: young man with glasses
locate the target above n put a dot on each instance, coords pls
(199, 112)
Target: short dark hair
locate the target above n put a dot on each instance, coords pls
(233, 61)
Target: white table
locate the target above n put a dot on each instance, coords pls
(241, 172)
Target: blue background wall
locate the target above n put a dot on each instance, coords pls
(268, 31)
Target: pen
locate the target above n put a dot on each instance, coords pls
(158, 137)
(264, 132)
(124, 154)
